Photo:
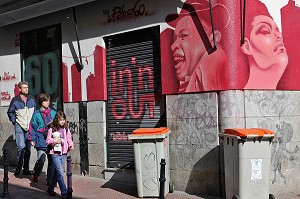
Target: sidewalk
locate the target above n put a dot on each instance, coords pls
(21, 187)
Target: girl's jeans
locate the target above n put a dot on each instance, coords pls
(58, 161)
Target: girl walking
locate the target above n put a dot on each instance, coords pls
(61, 145)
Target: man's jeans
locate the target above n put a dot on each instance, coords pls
(24, 146)
(58, 161)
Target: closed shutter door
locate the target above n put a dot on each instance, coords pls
(134, 90)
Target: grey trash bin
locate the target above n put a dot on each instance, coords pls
(150, 146)
(247, 159)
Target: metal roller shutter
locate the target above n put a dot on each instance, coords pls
(134, 90)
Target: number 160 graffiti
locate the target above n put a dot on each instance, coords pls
(42, 75)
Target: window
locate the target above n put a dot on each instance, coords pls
(41, 62)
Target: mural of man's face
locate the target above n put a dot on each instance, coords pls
(187, 48)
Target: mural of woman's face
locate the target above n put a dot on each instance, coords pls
(187, 47)
(267, 47)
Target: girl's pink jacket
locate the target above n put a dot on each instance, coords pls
(67, 140)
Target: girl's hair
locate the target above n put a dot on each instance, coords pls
(43, 97)
(58, 116)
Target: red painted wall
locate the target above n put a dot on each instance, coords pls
(96, 83)
(267, 58)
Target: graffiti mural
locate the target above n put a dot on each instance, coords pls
(5, 96)
(41, 63)
(284, 148)
(87, 83)
(261, 55)
(198, 67)
(284, 135)
(71, 112)
(133, 89)
(9, 78)
(139, 94)
(120, 12)
(272, 103)
(83, 138)
(191, 116)
(74, 128)
(194, 127)
(149, 167)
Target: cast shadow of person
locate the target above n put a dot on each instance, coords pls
(11, 147)
(123, 180)
(206, 177)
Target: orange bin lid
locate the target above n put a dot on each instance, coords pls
(152, 131)
(245, 132)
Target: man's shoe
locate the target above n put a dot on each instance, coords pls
(17, 171)
(28, 173)
(51, 193)
(35, 178)
(64, 196)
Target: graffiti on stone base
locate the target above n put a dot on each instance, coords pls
(83, 138)
(194, 126)
(283, 147)
(71, 112)
(281, 152)
(74, 129)
(273, 103)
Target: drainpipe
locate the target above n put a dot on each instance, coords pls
(78, 44)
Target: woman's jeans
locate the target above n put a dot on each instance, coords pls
(58, 161)
(50, 169)
(24, 146)
(38, 167)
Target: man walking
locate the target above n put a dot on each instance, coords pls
(19, 113)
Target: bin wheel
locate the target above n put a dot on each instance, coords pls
(171, 187)
(271, 196)
(235, 197)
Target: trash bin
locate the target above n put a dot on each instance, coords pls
(150, 146)
(247, 159)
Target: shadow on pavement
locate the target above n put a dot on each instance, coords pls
(19, 192)
(128, 189)
(10, 145)
(22, 187)
(204, 178)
